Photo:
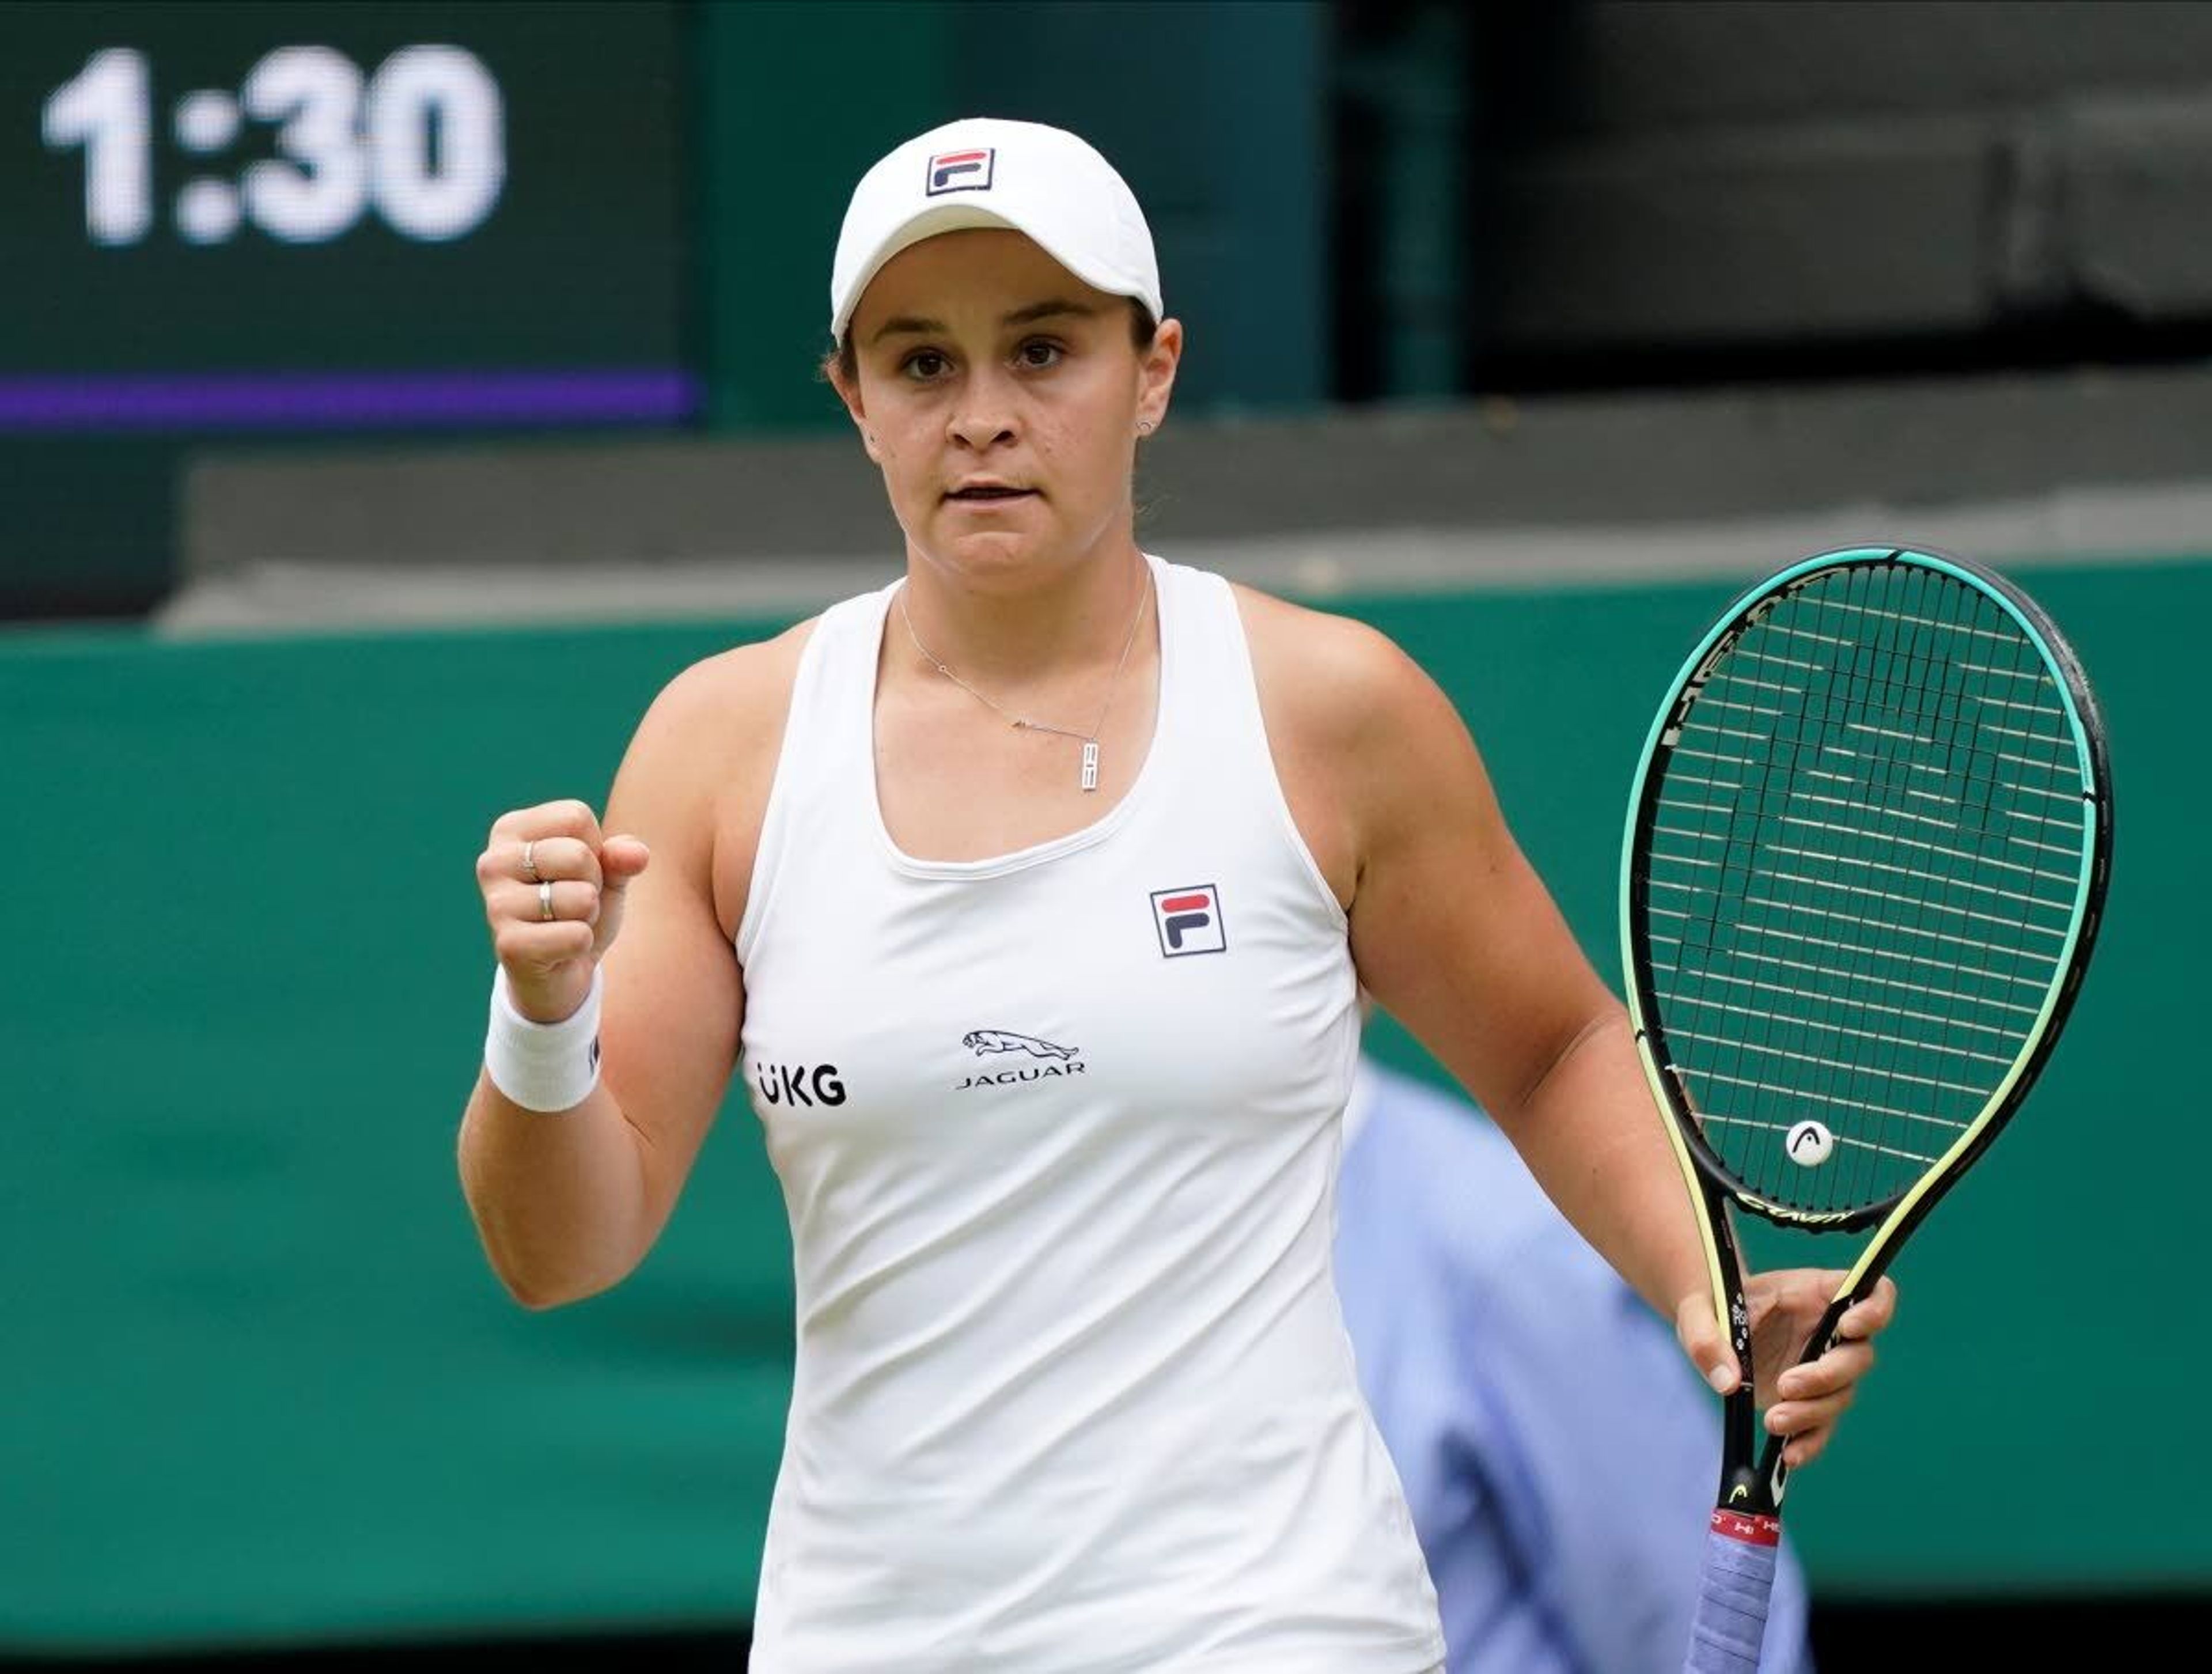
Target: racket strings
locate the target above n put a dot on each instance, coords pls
(1858, 881)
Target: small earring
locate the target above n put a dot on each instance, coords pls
(1144, 427)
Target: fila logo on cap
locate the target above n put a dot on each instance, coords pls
(1188, 920)
(961, 170)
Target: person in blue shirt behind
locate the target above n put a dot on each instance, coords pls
(1558, 1455)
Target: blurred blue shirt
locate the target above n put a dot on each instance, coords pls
(1559, 1455)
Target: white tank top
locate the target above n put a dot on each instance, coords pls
(1058, 1133)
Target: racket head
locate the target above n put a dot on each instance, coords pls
(1866, 859)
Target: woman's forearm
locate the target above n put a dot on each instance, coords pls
(559, 1200)
(1589, 1133)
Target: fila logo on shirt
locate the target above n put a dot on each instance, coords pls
(961, 170)
(1188, 920)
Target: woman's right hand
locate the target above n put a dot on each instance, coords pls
(550, 961)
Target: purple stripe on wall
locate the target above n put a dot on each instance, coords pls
(185, 401)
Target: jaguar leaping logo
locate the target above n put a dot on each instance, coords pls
(989, 1041)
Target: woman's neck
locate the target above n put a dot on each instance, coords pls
(1009, 633)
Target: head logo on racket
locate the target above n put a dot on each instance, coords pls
(1810, 1143)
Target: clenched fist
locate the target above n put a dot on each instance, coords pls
(553, 888)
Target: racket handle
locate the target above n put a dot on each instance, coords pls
(1733, 1592)
(1773, 1469)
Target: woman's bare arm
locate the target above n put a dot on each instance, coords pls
(567, 1204)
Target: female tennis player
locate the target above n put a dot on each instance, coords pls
(1033, 892)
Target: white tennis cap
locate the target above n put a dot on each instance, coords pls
(984, 172)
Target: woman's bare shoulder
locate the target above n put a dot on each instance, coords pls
(711, 734)
(702, 761)
(730, 703)
(1340, 703)
(1330, 677)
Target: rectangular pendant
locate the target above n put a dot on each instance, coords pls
(1090, 766)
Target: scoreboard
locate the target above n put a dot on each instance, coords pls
(329, 214)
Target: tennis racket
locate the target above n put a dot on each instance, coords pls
(1866, 856)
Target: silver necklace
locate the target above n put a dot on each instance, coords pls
(1023, 723)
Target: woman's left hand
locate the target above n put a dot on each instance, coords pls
(1802, 1403)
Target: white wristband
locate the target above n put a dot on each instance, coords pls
(542, 1065)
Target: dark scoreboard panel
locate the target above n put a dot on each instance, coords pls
(317, 214)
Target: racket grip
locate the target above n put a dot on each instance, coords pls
(1733, 1592)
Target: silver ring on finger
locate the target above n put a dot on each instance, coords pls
(530, 863)
(545, 900)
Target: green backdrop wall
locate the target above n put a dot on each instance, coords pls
(260, 1386)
